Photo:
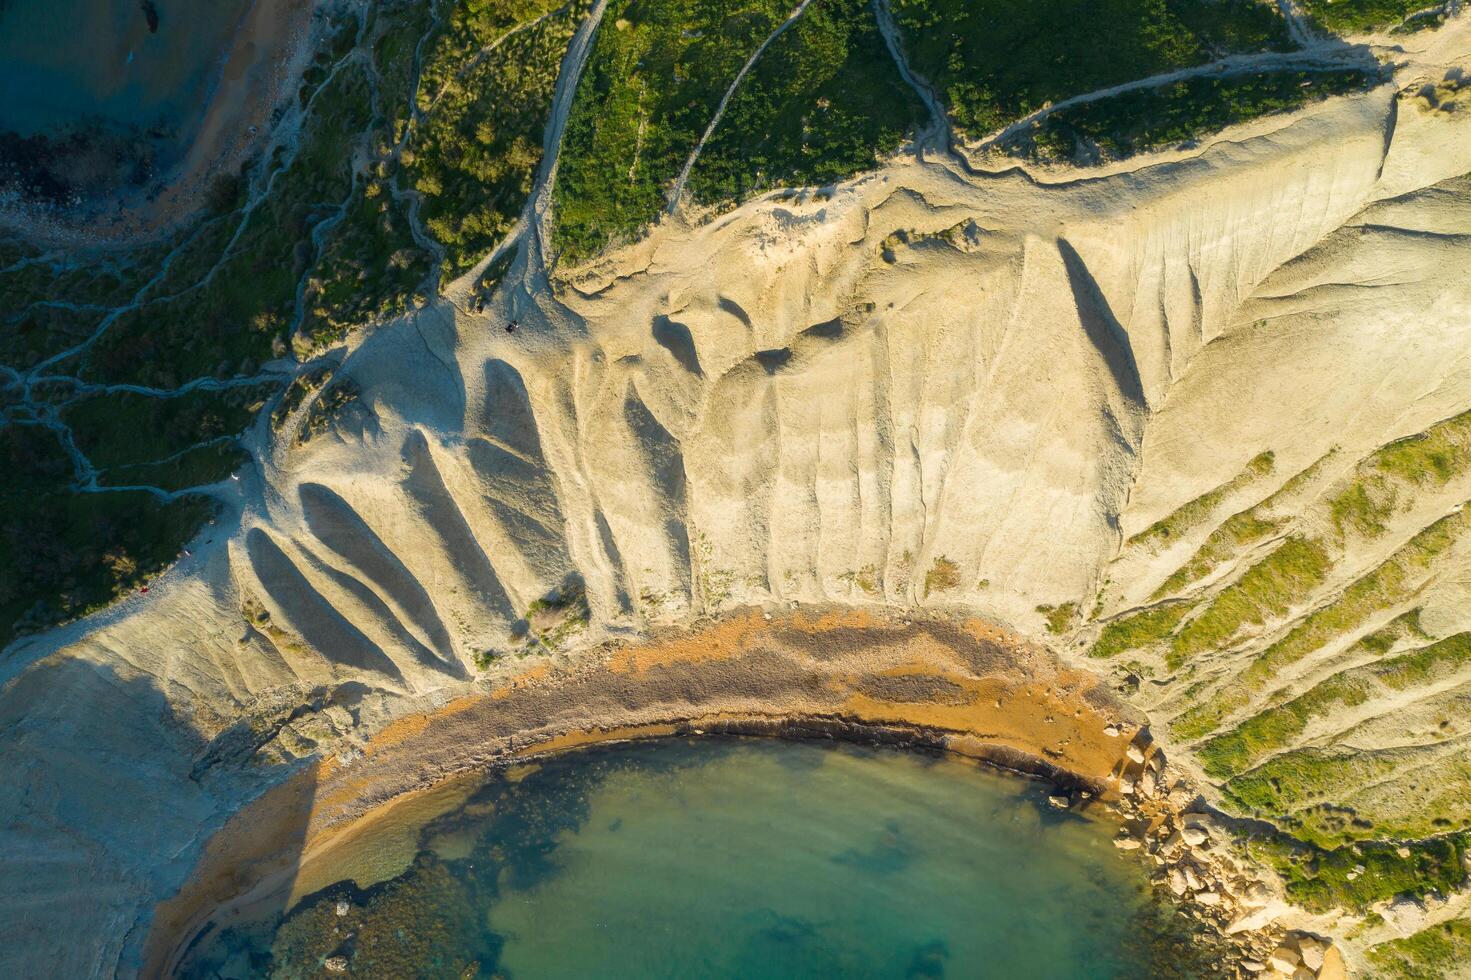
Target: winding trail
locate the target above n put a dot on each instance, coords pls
(939, 121)
(1324, 56)
(538, 204)
(684, 175)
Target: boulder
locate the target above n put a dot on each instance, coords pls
(1211, 898)
(1135, 753)
(336, 964)
(1126, 843)
(1311, 949)
(1333, 967)
(1061, 802)
(1284, 959)
(1193, 836)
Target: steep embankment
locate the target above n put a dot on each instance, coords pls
(927, 388)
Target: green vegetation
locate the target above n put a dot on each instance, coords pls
(824, 101)
(994, 61)
(1138, 630)
(1431, 458)
(1360, 16)
(1193, 513)
(1268, 589)
(943, 576)
(1333, 796)
(197, 467)
(656, 74)
(126, 428)
(1430, 954)
(63, 555)
(1179, 113)
(1360, 875)
(486, 97)
(1391, 583)
(1059, 618)
(1238, 532)
(1274, 728)
(326, 408)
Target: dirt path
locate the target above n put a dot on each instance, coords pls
(1323, 56)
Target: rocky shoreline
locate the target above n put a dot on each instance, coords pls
(959, 687)
(1169, 823)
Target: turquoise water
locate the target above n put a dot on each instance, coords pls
(65, 63)
(736, 858)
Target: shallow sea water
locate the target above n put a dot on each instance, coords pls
(741, 858)
(67, 63)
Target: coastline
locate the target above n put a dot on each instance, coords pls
(266, 52)
(963, 687)
(956, 686)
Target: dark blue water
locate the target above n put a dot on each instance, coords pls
(65, 63)
(748, 859)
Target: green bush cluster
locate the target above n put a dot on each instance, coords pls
(1358, 876)
(1182, 112)
(1430, 954)
(994, 61)
(477, 143)
(824, 102)
(656, 74)
(1361, 16)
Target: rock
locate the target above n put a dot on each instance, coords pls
(1201, 821)
(1284, 959)
(1402, 851)
(1190, 879)
(1303, 973)
(1112, 731)
(1257, 894)
(1135, 753)
(1311, 949)
(1333, 966)
(1147, 785)
(1193, 836)
(1254, 966)
(1178, 883)
(1126, 843)
(1126, 786)
(342, 907)
(1061, 802)
(1208, 898)
(336, 964)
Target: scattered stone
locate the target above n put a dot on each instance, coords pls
(1112, 731)
(1126, 843)
(342, 907)
(1178, 883)
(1311, 949)
(1193, 836)
(1253, 966)
(336, 964)
(1284, 959)
(1208, 898)
(1135, 753)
